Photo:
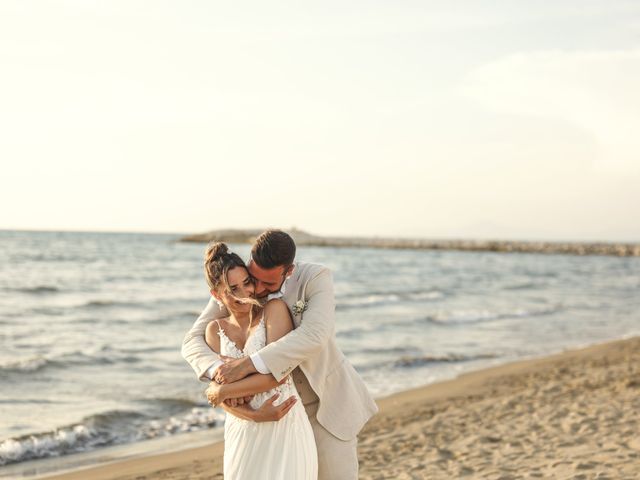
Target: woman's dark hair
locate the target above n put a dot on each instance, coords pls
(217, 262)
(273, 248)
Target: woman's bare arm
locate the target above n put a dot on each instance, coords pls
(211, 336)
(256, 383)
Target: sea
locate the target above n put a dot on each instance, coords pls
(91, 326)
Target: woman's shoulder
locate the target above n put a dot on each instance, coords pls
(217, 324)
(277, 319)
(276, 311)
(274, 305)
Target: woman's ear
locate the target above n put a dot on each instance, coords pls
(219, 301)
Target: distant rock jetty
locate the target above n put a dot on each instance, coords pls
(511, 246)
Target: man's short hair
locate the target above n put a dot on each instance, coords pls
(273, 248)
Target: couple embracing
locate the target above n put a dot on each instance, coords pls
(266, 342)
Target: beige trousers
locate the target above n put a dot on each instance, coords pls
(337, 459)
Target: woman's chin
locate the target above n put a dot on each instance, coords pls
(241, 307)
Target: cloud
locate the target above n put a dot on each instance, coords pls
(594, 90)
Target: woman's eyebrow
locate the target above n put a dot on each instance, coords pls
(235, 284)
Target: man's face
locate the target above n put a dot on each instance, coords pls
(267, 281)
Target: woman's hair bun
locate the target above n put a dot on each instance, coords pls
(215, 250)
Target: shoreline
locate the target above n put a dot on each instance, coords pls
(110, 455)
(409, 434)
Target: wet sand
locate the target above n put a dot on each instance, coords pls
(571, 415)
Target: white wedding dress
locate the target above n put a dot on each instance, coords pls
(282, 450)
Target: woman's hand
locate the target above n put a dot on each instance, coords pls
(215, 394)
(234, 369)
(236, 402)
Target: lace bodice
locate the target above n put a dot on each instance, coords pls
(257, 339)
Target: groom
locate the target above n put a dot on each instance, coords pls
(335, 398)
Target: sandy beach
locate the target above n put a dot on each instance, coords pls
(571, 415)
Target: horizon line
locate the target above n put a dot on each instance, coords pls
(435, 238)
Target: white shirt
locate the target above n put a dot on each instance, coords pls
(258, 363)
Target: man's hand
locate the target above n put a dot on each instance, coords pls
(268, 412)
(234, 369)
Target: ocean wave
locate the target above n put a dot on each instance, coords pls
(40, 363)
(50, 311)
(523, 286)
(475, 316)
(383, 350)
(106, 429)
(168, 348)
(171, 402)
(149, 304)
(409, 362)
(45, 445)
(443, 318)
(21, 401)
(172, 317)
(419, 360)
(24, 365)
(198, 418)
(38, 289)
(375, 299)
(41, 257)
(110, 303)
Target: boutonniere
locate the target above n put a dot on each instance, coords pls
(299, 307)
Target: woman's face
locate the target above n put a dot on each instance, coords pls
(240, 286)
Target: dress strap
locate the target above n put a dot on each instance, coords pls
(220, 330)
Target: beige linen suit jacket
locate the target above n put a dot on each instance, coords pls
(345, 403)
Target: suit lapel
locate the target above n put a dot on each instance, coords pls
(290, 296)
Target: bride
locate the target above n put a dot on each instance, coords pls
(256, 445)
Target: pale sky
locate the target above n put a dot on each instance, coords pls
(513, 119)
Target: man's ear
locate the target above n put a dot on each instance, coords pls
(290, 270)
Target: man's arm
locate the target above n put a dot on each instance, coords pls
(194, 347)
(268, 412)
(315, 330)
